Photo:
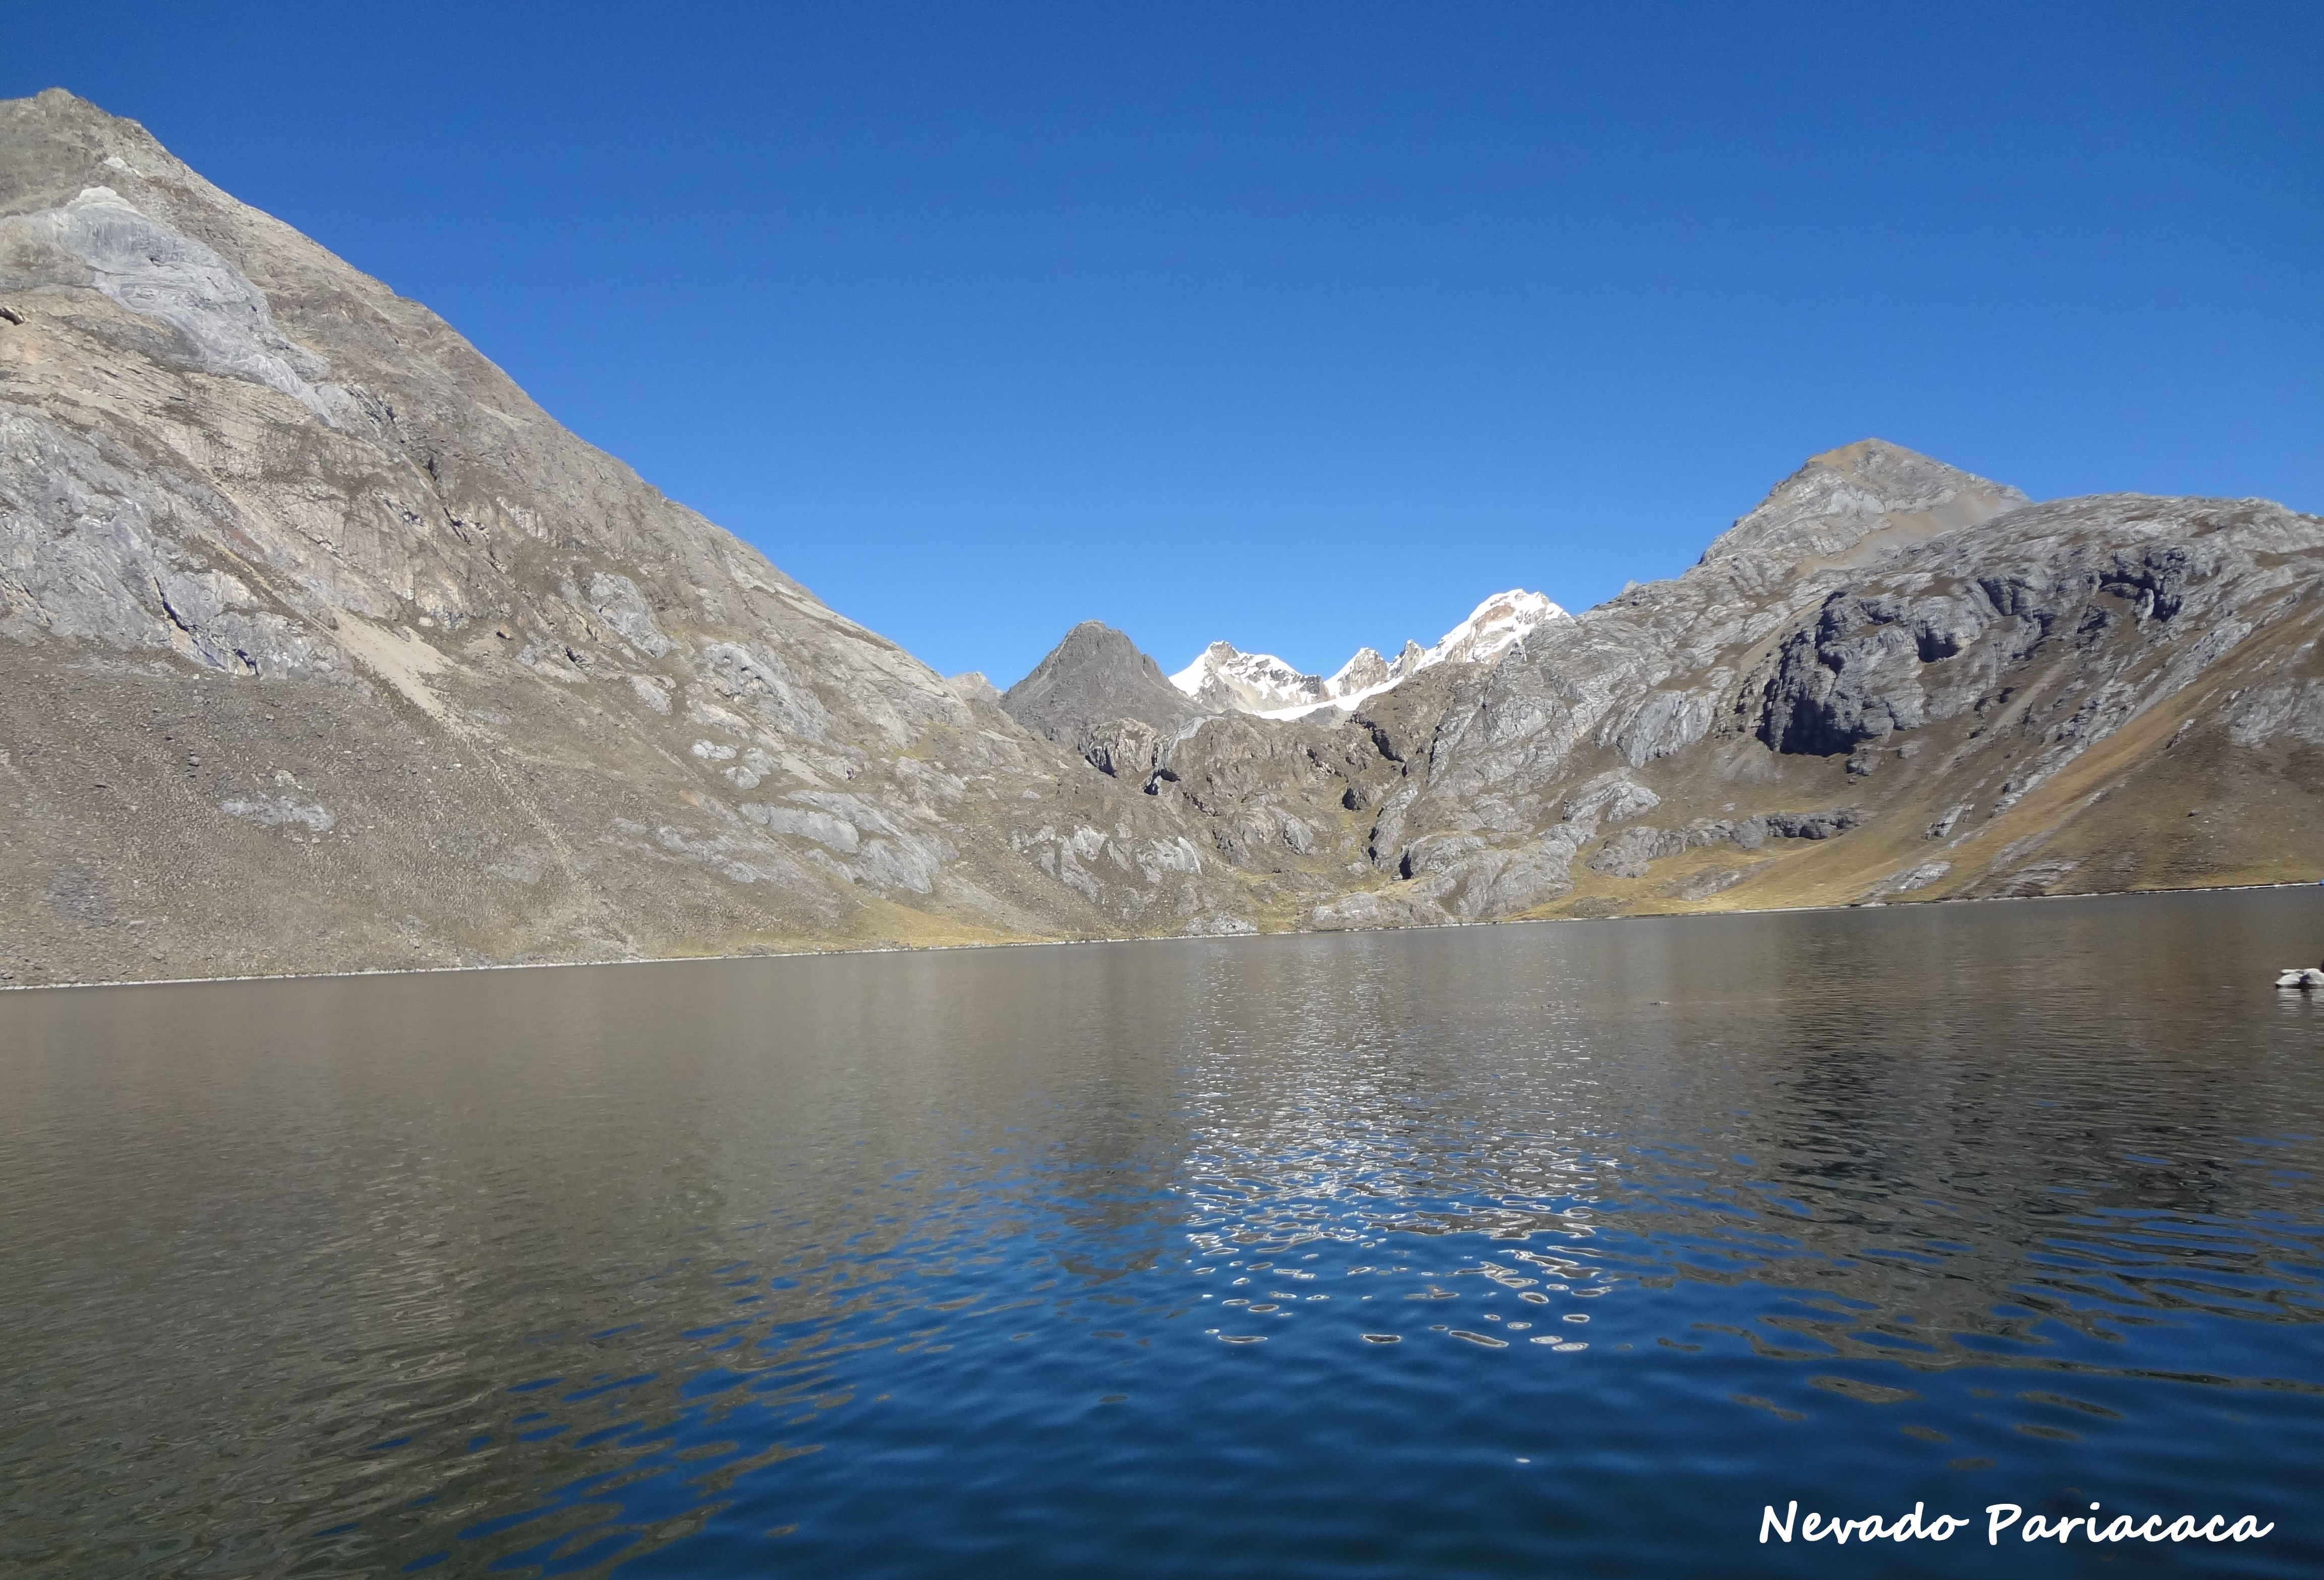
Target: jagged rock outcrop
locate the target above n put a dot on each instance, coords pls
(323, 648)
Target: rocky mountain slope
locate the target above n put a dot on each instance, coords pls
(1860, 704)
(323, 648)
(1892, 679)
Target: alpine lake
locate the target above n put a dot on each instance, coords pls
(1569, 1249)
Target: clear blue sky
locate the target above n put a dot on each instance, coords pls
(1304, 326)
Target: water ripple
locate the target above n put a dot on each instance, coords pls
(1487, 1252)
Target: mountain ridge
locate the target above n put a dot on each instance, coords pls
(324, 648)
(1225, 679)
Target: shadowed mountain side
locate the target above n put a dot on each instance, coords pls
(1095, 675)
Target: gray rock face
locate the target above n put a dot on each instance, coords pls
(274, 810)
(1953, 671)
(223, 322)
(99, 547)
(1628, 854)
(2142, 595)
(1368, 669)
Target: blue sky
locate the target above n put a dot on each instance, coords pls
(1305, 326)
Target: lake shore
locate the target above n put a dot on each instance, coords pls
(470, 968)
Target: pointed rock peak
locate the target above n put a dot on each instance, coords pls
(1494, 626)
(1851, 504)
(63, 98)
(1096, 674)
(971, 685)
(1870, 455)
(1366, 670)
(1226, 680)
(1095, 645)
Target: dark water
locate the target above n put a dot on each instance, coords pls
(1079, 1262)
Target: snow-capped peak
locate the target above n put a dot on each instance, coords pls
(1494, 626)
(1240, 682)
(1232, 681)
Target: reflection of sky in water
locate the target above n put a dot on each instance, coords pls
(1498, 1251)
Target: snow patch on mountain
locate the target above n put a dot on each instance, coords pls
(1233, 682)
(1493, 627)
(1225, 678)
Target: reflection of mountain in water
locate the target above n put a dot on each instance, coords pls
(647, 1257)
(1907, 1158)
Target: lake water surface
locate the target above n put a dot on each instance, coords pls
(1520, 1251)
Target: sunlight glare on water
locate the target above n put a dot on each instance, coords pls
(1490, 1251)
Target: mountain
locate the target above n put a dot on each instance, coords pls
(1849, 505)
(1493, 627)
(1891, 678)
(1225, 680)
(1094, 673)
(323, 648)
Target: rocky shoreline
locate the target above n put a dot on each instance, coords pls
(1063, 943)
